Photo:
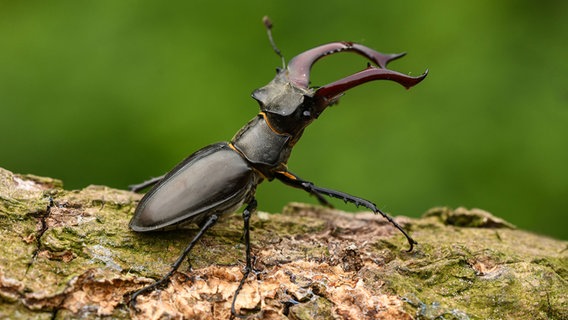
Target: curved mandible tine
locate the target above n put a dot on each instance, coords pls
(299, 67)
(334, 89)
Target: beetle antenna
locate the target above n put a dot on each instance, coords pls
(268, 25)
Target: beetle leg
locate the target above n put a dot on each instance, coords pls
(321, 199)
(286, 177)
(208, 224)
(294, 181)
(145, 184)
(250, 208)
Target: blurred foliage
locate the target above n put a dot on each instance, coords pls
(114, 92)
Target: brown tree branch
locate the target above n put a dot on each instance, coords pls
(69, 254)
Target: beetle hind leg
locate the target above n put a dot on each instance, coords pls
(143, 185)
(210, 222)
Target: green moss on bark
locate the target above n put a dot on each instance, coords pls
(78, 259)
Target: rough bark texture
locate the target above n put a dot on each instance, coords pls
(78, 259)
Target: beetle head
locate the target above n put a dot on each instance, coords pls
(290, 104)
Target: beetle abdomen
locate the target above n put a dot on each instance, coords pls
(215, 179)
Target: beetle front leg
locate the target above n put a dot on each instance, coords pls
(295, 181)
(292, 180)
(250, 208)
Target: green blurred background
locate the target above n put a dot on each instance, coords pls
(115, 92)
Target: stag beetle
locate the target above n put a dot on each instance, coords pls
(222, 177)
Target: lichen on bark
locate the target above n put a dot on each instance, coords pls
(69, 254)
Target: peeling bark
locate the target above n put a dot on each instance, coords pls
(69, 254)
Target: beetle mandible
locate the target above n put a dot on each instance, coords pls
(222, 177)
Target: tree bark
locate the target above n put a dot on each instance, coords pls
(70, 254)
